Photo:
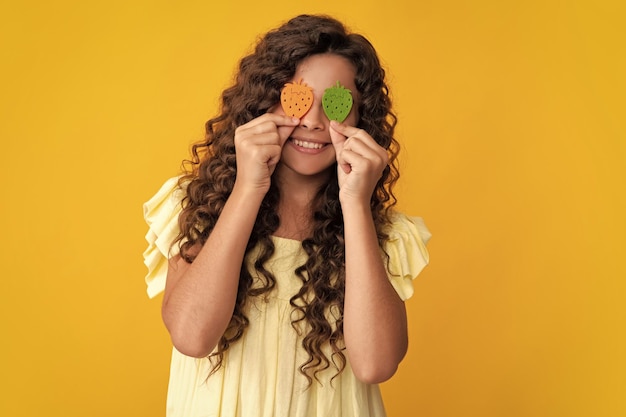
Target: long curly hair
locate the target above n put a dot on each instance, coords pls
(210, 175)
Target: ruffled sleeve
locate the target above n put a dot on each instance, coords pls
(161, 213)
(407, 252)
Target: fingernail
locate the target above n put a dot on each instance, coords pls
(295, 120)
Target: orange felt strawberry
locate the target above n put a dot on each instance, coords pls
(296, 99)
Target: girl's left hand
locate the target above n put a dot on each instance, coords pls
(360, 162)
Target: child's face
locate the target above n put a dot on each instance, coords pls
(309, 150)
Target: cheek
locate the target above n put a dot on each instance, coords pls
(353, 117)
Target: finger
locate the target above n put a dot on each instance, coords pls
(266, 138)
(354, 135)
(277, 119)
(268, 122)
(345, 130)
(283, 120)
(285, 124)
(273, 156)
(367, 148)
(369, 164)
(265, 132)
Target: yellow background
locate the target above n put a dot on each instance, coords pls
(513, 125)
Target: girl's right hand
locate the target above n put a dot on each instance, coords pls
(258, 147)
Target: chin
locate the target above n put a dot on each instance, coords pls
(303, 170)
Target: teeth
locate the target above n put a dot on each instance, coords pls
(308, 145)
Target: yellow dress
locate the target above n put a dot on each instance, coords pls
(260, 376)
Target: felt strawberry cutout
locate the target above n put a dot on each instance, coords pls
(337, 102)
(296, 99)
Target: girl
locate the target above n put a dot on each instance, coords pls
(283, 265)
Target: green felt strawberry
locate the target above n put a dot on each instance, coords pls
(337, 102)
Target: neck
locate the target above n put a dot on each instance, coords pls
(297, 188)
(295, 207)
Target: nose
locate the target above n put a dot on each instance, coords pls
(314, 119)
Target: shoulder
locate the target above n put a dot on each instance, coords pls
(169, 195)
(406, 252)
(402, 226)
(161, 213)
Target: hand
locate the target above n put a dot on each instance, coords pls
(258, 146)
(360, 161)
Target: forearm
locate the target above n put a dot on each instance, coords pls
(375, 329)
(200, 297)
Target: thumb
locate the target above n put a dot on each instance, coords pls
(336, 137)
(286, 125)
(338, 140)
(284, 132)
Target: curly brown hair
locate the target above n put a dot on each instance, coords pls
(210, 175)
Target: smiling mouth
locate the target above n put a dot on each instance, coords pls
(308, 145)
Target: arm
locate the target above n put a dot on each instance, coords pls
(200, 297)
(375, 324)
